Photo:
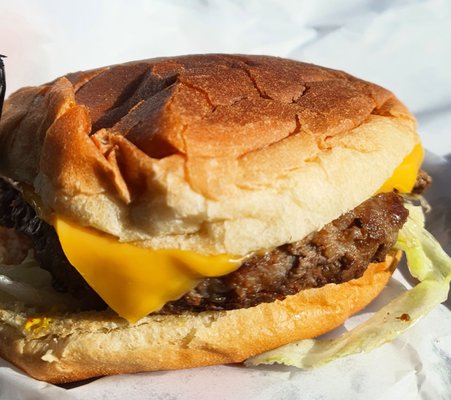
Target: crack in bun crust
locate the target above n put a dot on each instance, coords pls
(212, 153)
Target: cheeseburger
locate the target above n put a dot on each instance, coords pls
(198, 210)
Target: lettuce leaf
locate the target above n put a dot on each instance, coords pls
(426, 261)
(29, 284)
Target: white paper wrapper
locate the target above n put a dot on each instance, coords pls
(403, 45)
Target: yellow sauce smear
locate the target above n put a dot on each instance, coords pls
(136, 281)
(35, 323)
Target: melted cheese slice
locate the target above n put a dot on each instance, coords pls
(136, 281)
(405, 175)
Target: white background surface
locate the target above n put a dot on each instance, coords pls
(402, 45)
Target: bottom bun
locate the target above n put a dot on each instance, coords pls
(72, 347)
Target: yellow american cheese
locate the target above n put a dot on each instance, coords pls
(404, 176)
(135, 281)
(132, 280)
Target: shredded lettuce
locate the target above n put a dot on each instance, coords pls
(30, 284)
(426, 261)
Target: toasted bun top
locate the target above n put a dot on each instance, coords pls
(215, 153)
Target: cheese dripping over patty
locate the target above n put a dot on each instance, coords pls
(135, 281)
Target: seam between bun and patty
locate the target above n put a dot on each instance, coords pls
(78, 346)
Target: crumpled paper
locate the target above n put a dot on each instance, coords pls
(403, 45)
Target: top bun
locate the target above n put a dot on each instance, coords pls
(213, 153)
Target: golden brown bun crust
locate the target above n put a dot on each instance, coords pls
(214, 153)
(75, 347)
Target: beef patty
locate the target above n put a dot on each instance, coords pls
(337, 253)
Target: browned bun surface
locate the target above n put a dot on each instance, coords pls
(212, 153)
(73, 347)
